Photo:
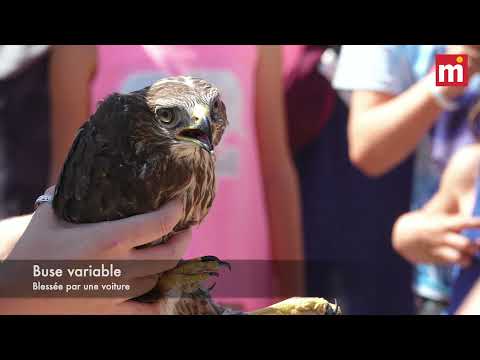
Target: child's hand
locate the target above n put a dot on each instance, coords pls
(437, 239)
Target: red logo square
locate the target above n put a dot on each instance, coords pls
(451, 70)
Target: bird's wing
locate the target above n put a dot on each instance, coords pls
(100, 179)
(73, 182)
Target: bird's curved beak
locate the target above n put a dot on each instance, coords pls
(200, 132)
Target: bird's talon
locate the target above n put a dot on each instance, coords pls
(226, 264)
(220, 263)
(330, 310)
(211, 287)
(209, 258)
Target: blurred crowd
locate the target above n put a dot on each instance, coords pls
(345, 159)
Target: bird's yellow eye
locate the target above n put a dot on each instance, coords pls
(167, 116)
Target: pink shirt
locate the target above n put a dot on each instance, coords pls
(236, 227)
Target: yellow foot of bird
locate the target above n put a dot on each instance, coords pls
(185, 278)
(300, 306)
(188, 275)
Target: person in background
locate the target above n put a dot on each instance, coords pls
(24, 126)
(347, 217)
(398, 114)
(256, 213)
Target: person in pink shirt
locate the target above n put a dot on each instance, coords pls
(256, 213)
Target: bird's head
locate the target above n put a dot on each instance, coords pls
(188, 112)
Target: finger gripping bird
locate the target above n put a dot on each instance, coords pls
(137, 152)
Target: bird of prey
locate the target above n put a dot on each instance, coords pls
(140, 150)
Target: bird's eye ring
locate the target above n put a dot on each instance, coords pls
(167, 116)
